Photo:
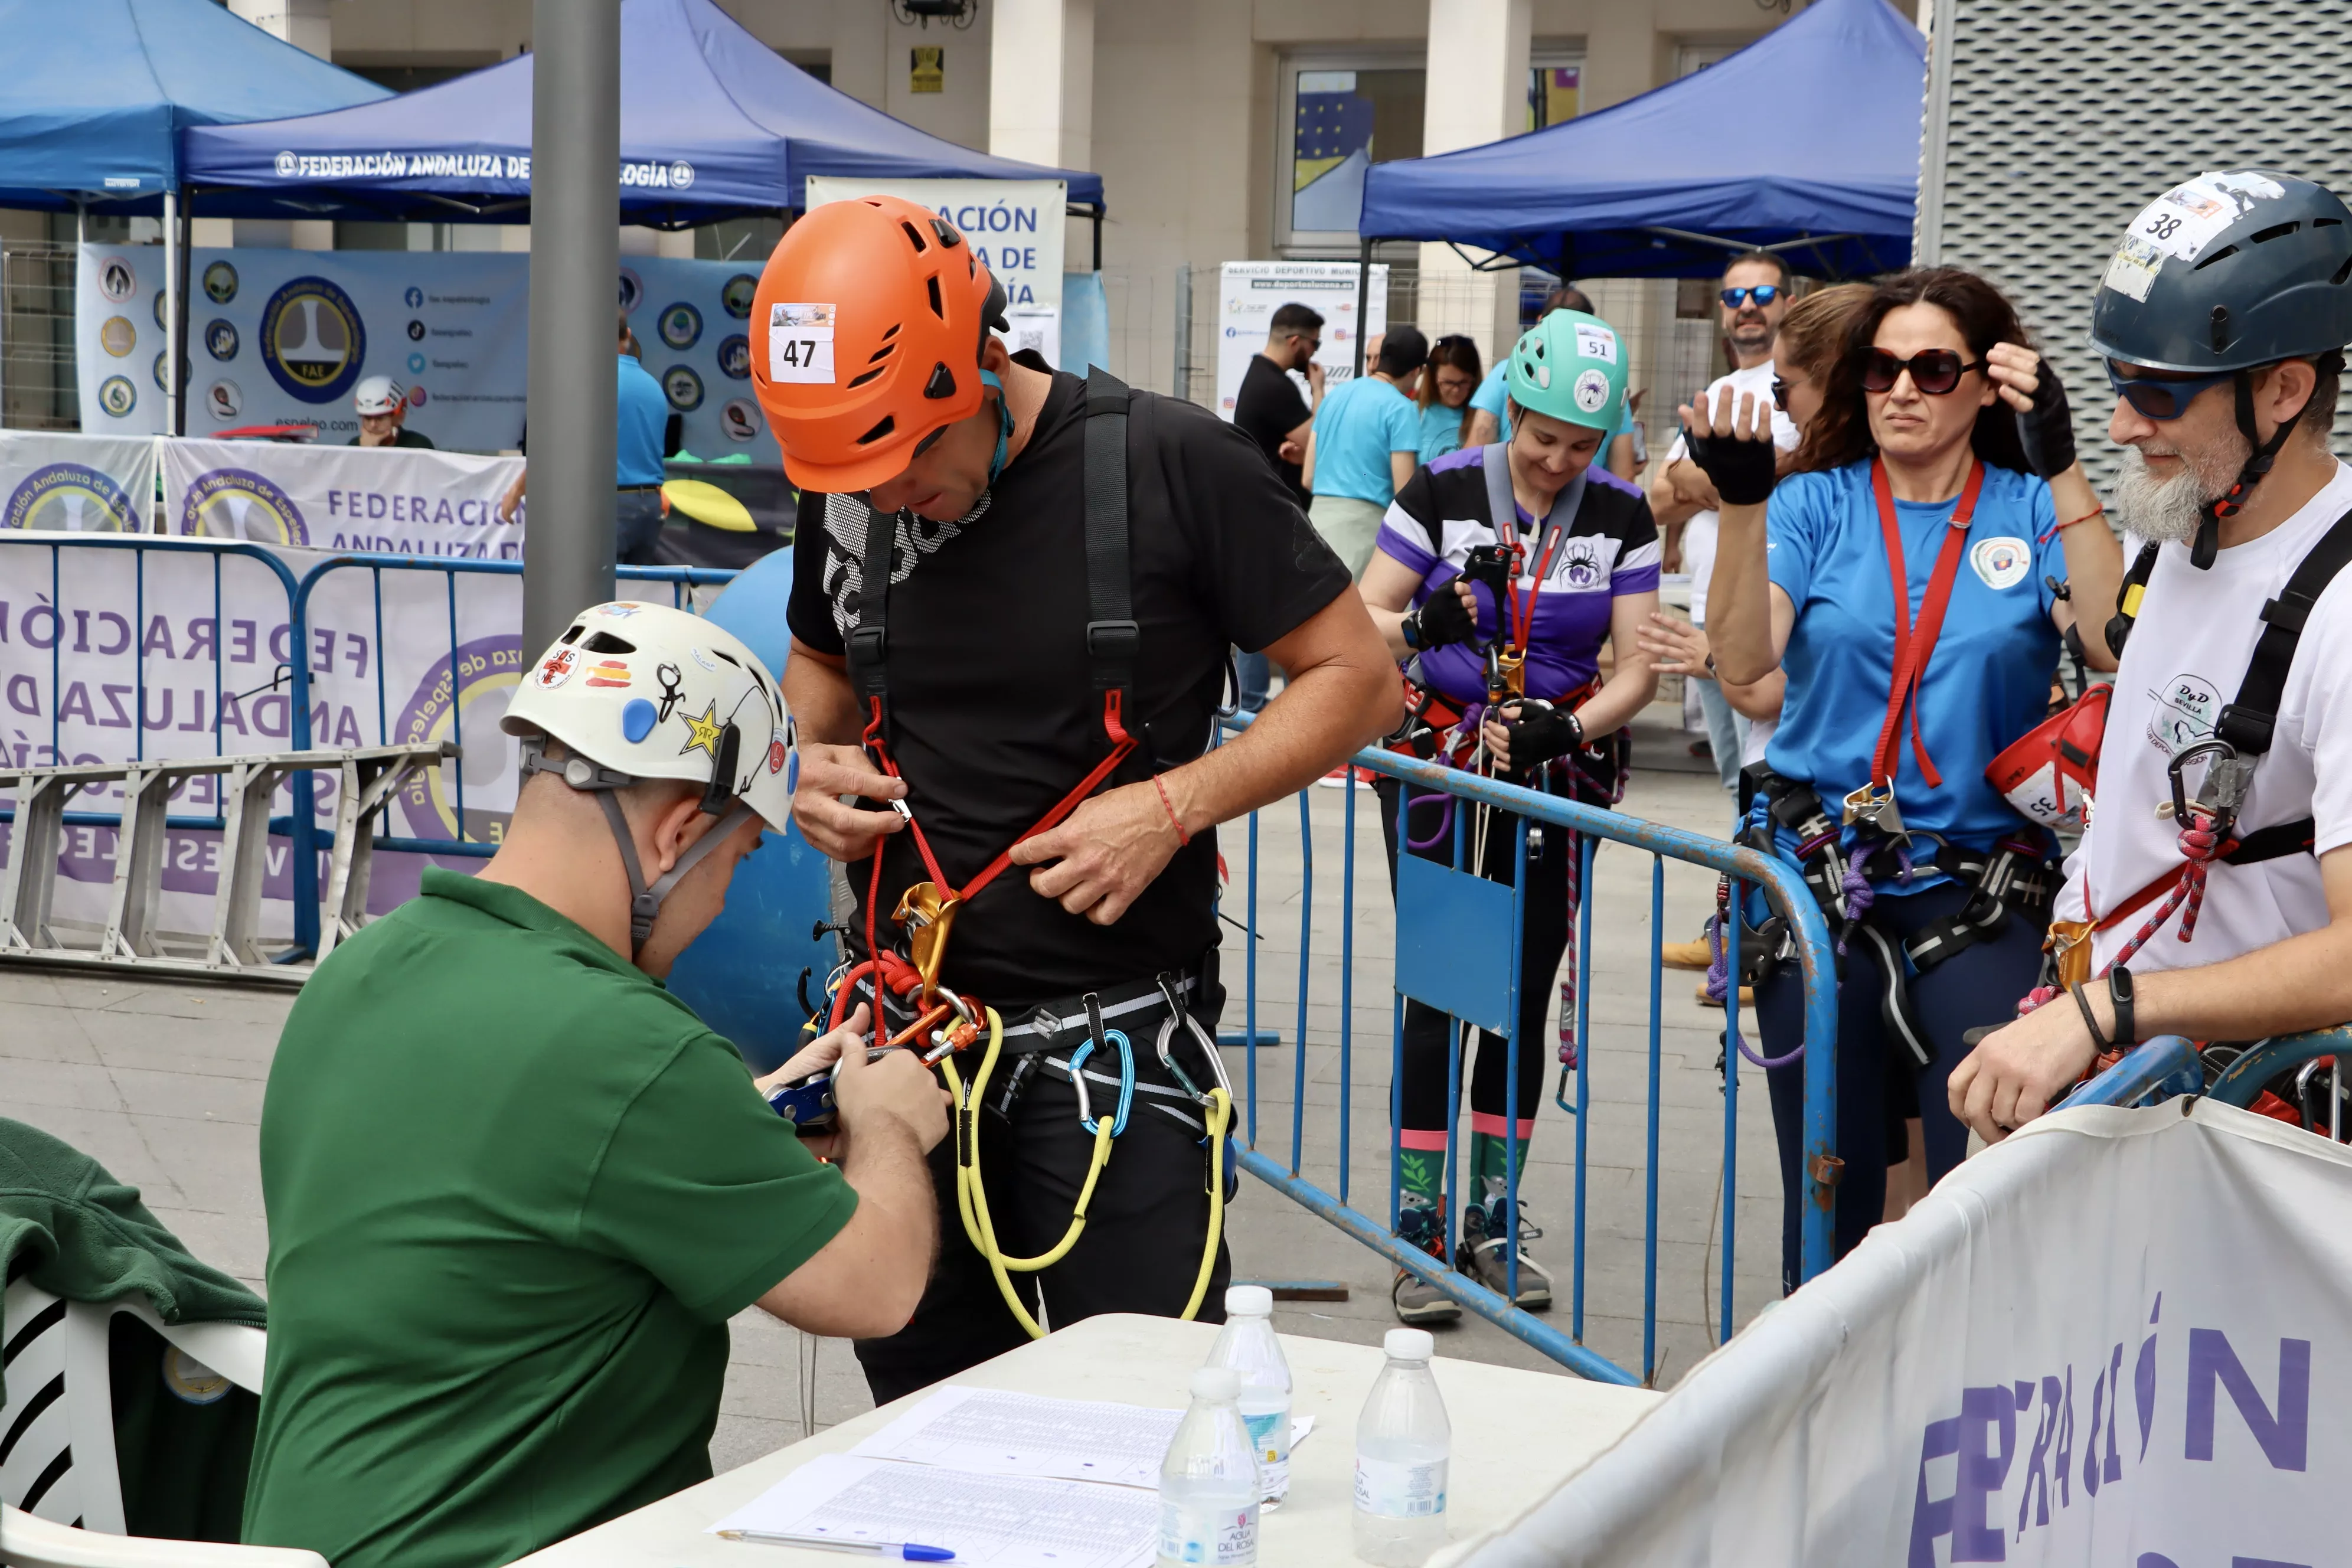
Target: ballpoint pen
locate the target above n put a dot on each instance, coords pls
(910, 1551)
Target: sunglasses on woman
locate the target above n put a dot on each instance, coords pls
(1762, 293)
(1780, 393)
(1933, 371)
(2161, 400)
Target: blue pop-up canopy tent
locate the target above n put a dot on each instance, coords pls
(97, 93)
(1806, 141)
(713, 122)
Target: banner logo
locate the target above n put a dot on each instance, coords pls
(220, 338)
(739, 419)
(116, 280)
(633, 291)
(71, 499)
(225, 399)
(683, 388)
(163, 322)
(735, 357)
(117, 397)
(286, 165)
(414, 299)
(312, 341)
(488, 669)
(220, 282)
(117, 336)
(737, 295)
(680, 325)
(162, 357)
(237, 503)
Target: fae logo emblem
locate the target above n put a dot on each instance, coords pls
(67, 497)
(235, 503)
(312, 340)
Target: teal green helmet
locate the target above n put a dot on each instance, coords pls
(1570, 367)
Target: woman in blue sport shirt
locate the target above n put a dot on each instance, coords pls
(1942, 452)
(1584, 571)
(1446, 384)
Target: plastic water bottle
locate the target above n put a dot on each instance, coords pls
(1401, 1441)
(1208, 1482)
(1248, 1346)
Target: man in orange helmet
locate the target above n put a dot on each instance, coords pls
(1014, 594)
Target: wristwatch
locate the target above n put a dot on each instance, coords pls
(1410, 629)
(2119, 991)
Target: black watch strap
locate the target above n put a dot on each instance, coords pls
(2119, 991)
(1410, 629)
(2090, 1019)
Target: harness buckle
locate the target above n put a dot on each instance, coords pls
(929, 915)
(1873, 808)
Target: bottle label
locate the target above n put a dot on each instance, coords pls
(1393, 1488)
(1270, 1439)
(1226, 1538)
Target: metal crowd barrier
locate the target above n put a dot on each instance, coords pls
(306, 838)
(2167, 1067)
(1457, 948)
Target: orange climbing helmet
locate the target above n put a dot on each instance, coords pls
(868, 329)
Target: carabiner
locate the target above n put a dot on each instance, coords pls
(1200, 1037)
(1126, 1082)
(2225, 784)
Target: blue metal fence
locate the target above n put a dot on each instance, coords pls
(2167, 1067)
(1457, 948)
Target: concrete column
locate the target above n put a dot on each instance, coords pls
(307, 25)
(1477, 92)
(1041, 82)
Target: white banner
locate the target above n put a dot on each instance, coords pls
(1250, 292)
(281, 337)
(75, 484)
(198, 676)
(401, 501)
(1015, 226)
(2115, 1338)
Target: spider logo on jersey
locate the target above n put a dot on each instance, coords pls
(1579, 565)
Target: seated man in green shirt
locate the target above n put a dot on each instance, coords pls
(516, 1188)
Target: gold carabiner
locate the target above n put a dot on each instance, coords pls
(929, 915)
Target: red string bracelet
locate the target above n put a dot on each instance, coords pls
(2061, 528)
(1182, 837)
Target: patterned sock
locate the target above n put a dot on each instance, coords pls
(1493, 1157)
(1422, 1174)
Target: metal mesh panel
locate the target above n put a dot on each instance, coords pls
(2068, 116)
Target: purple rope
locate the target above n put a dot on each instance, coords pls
(1718, 985)
(1444, 819)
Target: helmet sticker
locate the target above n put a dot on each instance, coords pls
(1596, 342)
(1591, 391)
(637, 719)
(800, 344)
(2000, 562)
(704, 660)
(776, 755)
(620, 610)
(608, 672)
(2184, 220)
(2133, 268)
(702, 733)
(556, 668)
(672, 688)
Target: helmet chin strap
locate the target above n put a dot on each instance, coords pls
(2208, 542)
(1003, 424)
(592, 778)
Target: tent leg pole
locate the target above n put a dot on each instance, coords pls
(1099, 217)
(171, 311)
(181, 272)
(575, 135)
(1363, 299)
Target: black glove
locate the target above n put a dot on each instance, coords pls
(1741, 472)
(1540, 733)
(1443, 618)
(2046, 431)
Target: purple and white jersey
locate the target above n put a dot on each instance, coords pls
(1606, 545)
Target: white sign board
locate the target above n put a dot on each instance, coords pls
(1015, 226)
(2115, 1338)
(397, 501)
(1250, 292)
(62, 483)
(283, 337)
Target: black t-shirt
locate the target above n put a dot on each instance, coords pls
(993, 715)
(1266, 410)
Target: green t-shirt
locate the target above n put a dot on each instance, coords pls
(515, 1191)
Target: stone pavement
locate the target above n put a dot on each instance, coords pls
(162, 1082)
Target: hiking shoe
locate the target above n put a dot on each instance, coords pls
(1747, 996)
(1417, 1301)
(1483, 1243)
(1685, 954)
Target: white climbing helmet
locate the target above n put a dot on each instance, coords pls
(377, 395)
(638, 691)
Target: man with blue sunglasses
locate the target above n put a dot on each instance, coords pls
(2211, 896)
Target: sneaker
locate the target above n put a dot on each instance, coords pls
(1747, 996)
(1685, 954)
(1417, 1301)
(1483, 1242)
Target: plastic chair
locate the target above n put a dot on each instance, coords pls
(61, 1495)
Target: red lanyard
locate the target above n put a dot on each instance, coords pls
(1519, 619)
(1913, 648)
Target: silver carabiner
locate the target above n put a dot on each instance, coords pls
(1200, 1037)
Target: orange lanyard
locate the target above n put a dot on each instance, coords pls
(1914, 645)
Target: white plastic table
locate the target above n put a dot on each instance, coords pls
(1517, 1435)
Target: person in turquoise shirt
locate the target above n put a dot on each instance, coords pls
(1451, 376)
(1365, 444)
(641, 412)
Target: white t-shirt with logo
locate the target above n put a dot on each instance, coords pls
(2186, 657)
(1699, 533)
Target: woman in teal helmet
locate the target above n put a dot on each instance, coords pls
(1499, 573)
